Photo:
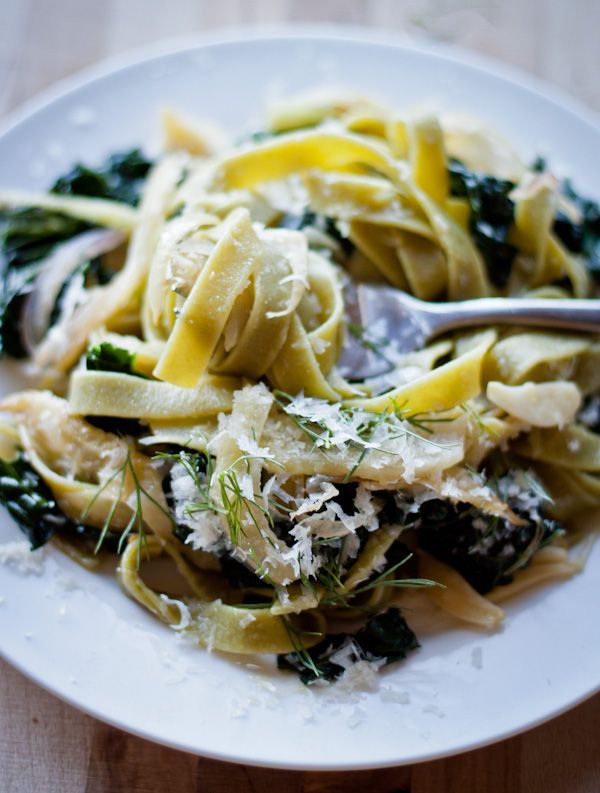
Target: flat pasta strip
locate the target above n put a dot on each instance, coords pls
(456, 596)
(64, 344)
(440, 389)
(214, 624)
(298, 152)
(115, 394)
(202, 319)
(100, 211)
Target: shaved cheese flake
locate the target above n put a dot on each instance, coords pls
(20, 556)
(316, 500)
(185, 617)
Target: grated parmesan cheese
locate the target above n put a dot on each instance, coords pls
(19, 555)
(356, 717)
(206, 531)
(389, 694)
(315, 500)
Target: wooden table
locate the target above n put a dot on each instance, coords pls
(49, 747)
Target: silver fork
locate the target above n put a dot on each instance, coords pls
(404, 323)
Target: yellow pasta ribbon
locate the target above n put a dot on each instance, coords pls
(202, 319)
(442, 388)
(115, 394)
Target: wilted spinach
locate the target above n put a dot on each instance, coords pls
(119, 178)
(485, 549)
(492, 213)
(105, 357)
(583, 237)
(30, 502)
(28, 235)
(385, 637)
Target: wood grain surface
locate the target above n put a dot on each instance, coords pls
(47, 746)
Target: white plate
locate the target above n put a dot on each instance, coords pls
(75, 633)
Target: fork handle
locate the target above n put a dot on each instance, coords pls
(578, 315)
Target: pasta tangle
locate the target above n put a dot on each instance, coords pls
(191, 405)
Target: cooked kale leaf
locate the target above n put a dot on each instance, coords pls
(582, 237)
(27, 236)
(30, 234)
(485, 549)
(492, 213)
(386, 637)
(118, 426)
(105, 357)
(119, 178)
(32, 505)
(30, 502)
(315, 664)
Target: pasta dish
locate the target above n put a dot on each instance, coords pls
(183, 325)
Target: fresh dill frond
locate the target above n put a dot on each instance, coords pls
(470, 411)
(137, 518)
(385, 579)
(303, 656)
(536, 486)
(338, 595)
(237, 504)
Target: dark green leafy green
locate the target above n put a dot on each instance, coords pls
(315, 664)
(30, 502)
(581, 237)
(492, 214)
(28, 235)
(385, 637)
(119, 178)
(486, 549)
(105, 357)
(118, 426)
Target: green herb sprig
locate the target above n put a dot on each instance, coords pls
(136, 521)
